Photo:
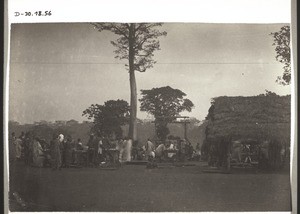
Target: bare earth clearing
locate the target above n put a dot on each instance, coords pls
(135, 188)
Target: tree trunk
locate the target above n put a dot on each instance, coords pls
(133, 90)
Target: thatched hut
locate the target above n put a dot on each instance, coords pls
(260, 118)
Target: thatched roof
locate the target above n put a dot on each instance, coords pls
(257, 117)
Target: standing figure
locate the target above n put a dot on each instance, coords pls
(264, 154)
(100, 150)
(37, 153)
(183, 150)
(120, 148)
(237, 151)
(127, 150)
(189, 150)
(95, 144)
(68, 152)
(26, 148)
(78, 159)
(198, 151)
(135, 150)
(247, 152)
(31, 148)
(212, 155)
(56, 151)
(91, 149)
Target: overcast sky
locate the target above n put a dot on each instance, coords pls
(58, 70)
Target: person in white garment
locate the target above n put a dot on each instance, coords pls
(149, 148)
(159, 151)
(170, 147)
(100, 149)
(127, 150)
(120, 148)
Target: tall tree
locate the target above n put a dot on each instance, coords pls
(164, 104)
(136, 43)
(108, 118)
(283, 53)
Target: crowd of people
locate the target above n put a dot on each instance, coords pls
(63, 151)
(173, 149)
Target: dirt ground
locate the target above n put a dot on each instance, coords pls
(135, 188)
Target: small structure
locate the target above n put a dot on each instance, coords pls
(258, 118)
(176, 154)
(184, 121)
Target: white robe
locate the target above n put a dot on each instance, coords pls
(127, 150)
(100, 147)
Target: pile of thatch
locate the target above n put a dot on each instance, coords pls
(257, 117)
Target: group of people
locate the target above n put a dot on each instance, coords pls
(35, 151)
(104, 149)
(64, 151)
(270, 153)
(171, 149)
(26, 147)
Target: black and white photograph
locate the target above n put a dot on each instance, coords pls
(149, 117)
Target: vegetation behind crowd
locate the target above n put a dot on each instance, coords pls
(75, 129)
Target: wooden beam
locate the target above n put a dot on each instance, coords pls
(173, 117)
(175, 122)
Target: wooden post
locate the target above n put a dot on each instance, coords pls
(185, 129)
(228, 155)
(184, 122)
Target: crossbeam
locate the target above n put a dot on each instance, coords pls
(174, 122)
(172, 117)
(184, 122)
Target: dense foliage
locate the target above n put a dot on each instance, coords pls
(164, 104)
(283, 53)
(108, 118)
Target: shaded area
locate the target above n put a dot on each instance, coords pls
(135, 188)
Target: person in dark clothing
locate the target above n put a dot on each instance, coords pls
(78, 144)
(189, 150)
(68, 152)
(77, 157)
(135, 150)
(56, 151)
(91, 150)
(27, 148)
(63, 153)
(96, 145)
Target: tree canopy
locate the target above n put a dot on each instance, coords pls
(108, 118)
(164, 104)
(283, 53)
(141, 37)
(136, 43)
